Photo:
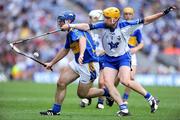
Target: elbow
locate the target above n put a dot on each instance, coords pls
(146, 22)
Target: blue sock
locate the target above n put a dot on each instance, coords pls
(106, 92)
(123, 106)
(125, 96)
(100, 101)
(56, 108)
(147, 96)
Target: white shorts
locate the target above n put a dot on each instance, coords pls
(88, 72)
(133, 60)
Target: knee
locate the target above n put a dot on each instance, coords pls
(132, 78)
(81, 94)
(61, 85)
(101, 84)
(126, 82)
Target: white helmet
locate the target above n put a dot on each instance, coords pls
(96, 14)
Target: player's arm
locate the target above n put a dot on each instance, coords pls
(140, 44)
(137, 48)
(84, 26)
(152, 18)
(61, 54)
(82, 46)
(80, 26)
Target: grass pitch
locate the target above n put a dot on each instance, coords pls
(24, 101)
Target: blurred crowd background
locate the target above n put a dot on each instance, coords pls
(20, 19)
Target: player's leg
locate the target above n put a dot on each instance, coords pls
(85, 90)
(133, 72)
(101, 84)
(127, 89)
(124, 75)
(88, 73)
(68, 75)
(109, 76)
(87, 101)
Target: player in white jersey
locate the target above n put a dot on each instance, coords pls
(117, 57)
(135, 43)
(97, 16)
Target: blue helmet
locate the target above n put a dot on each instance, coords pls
(69, 16)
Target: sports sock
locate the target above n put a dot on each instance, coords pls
(100, 101)
(125, 96)
(149, 97)
(106, 92)
(56, 108)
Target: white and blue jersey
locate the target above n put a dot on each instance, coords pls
(115, 42)
(72, 42)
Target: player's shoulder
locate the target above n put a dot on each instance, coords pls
(74, 32)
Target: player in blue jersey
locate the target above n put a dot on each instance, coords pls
(117, 57)
(85, 65)
(135, 43)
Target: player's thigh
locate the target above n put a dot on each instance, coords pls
(83, 88)
(124, 74)
(68, 75)
(101, 79)
(109, 76)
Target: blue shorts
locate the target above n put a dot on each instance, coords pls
(101, 62)
(117, 62)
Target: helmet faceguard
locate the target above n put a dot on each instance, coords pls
(61, 18)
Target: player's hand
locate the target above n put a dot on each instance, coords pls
(133, 50)
(169, 9)
(49, 66)
(80, 59)
(65, 27)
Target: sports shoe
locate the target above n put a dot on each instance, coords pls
(157, 100)
(100, 106)
(154, 104)
(121, 113)
(109, 101)
(85, 102)
(49, 113)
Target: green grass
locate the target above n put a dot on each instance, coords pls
(24, 101)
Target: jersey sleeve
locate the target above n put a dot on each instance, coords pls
(97, 25)
(129, 27)
(138, 35)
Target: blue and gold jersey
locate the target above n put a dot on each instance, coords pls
(72, 42)
(135, 39)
